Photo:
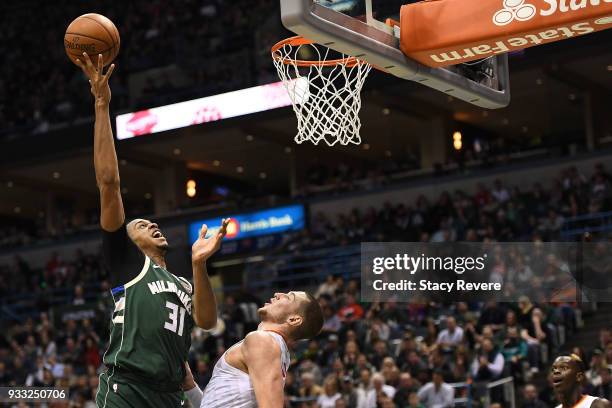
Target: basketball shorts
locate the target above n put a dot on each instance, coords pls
(116, 391)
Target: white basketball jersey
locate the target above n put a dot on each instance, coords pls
(585, 402)
(230, 387)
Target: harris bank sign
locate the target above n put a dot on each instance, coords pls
(267, 222)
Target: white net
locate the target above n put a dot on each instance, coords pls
(325, 93)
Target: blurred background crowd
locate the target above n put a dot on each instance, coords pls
(368, 355)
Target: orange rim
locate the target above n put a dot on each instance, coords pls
(297, 41)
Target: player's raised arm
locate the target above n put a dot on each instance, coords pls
(112, 215)
(204, 301)
(262, 356)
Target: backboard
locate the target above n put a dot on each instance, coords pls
(357, 28)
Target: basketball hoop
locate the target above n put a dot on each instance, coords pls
(325, 92)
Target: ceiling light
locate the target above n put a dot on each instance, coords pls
(386, 111)
(191, 188)
(17, 210)
(366, 146)
(148, 196)
(9, 184)
(176, 151)
(262, 175)
(610, 68)
(249, 138)
(56, 175)
(216, 163)
(239, 169)
(457, 142)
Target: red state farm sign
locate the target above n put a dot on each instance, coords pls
(438, 33)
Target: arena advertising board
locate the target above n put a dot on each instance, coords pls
(267, 222)
(209, 109)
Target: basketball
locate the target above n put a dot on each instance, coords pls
(94, 34)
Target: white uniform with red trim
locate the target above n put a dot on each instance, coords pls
(230, 387)
(585, 402)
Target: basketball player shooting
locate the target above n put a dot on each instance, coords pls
(155, 310)
(567, 373)
(252, 372)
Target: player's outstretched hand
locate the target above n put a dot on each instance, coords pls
(97, 79)
(204, 247)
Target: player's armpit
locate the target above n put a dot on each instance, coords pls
(262, 356)
(112, 215)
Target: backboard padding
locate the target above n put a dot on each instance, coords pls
(348, 34)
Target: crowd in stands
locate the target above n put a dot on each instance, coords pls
(499, 212)
(367, 356)
(502, 211)
(45, 88)
(386, 354)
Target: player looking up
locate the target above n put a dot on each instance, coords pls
(252, 372)
(155, 310)
(567, 374)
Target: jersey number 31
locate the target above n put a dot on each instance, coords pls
(174, 325)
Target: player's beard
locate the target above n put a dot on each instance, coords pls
(165, 248)
(266, 316)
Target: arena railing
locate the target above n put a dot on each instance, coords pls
(576, 226)
(508, 390)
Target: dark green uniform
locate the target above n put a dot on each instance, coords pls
(149, 340)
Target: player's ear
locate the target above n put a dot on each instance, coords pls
(295, 320)
(580, 377)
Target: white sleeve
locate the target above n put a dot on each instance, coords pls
(497, 366)
(194, 396)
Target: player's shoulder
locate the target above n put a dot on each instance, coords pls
(262, 341)
(601, 403)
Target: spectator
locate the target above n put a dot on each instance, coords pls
(378, 391)
(78, 296)
(327, 288)
(604, 388)
(514, 350)
(364, 389)
(530, 321)
(437, 394)
(450, 337)
(309, 389)
(489, 363)
(351, 311)
(413, 401)
(330, 394)
(407, 386)
(530, 398)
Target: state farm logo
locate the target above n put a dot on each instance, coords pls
(514, 10)
(141, 123)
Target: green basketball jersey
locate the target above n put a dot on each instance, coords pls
(151, 326)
